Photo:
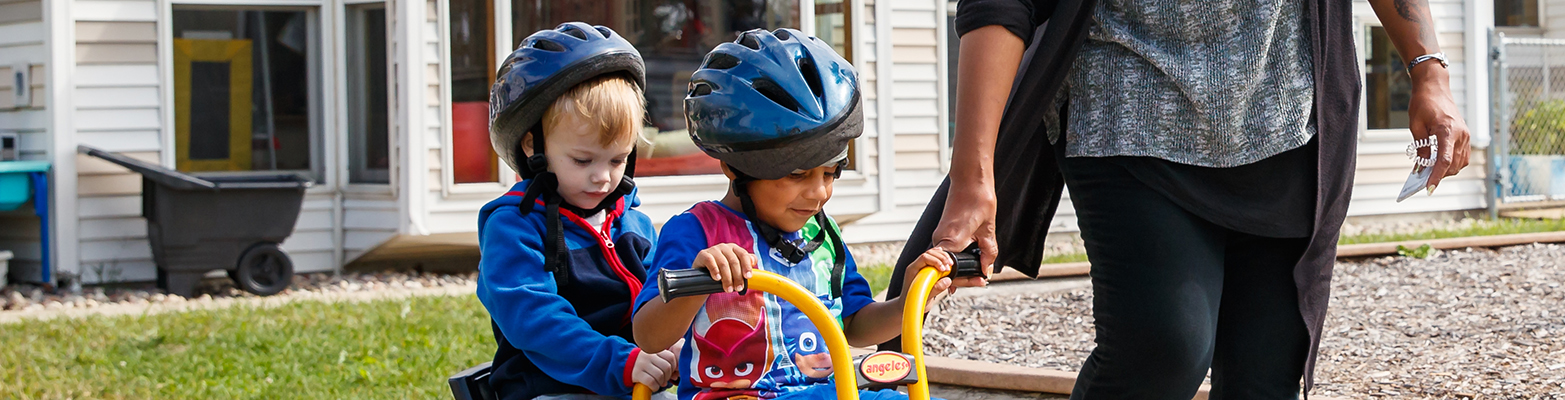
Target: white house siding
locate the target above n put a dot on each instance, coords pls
(311, 245)
(918, 125)
(22, 45)
(367, 221)
(449, 208)
(119, 106)
(1552, 17)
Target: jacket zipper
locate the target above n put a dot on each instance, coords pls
(606, 245)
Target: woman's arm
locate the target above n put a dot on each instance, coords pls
(989, 58)
(1431, 110)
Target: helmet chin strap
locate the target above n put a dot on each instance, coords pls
(545, 185)
(791, 250)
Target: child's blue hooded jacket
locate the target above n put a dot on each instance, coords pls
(553, 340)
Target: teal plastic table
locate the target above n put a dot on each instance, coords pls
(24, 180)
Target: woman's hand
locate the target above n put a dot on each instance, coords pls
(968, 218)
(1432, 112)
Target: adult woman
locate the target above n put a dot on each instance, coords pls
(1209, 148)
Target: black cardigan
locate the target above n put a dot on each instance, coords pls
(1028, 184)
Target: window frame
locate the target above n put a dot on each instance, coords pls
(345, 142)
(323, 18)
(1361, 33)
(1542, 26)
(503, 35)
(448, 184)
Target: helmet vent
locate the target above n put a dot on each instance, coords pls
(605, 31)
(721, 61)
(748, 40)
(776, 93)
(548, 45)
(783, 34)
(574, 32)
(700, 89)
(812, 77)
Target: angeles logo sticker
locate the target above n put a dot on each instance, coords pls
(885, 367)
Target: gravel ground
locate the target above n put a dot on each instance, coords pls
(887, 252)
(33, 299)
(1461, 324)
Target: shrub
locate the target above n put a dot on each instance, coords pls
(1541, 130)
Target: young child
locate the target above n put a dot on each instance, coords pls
(563, 253)
(778, 109)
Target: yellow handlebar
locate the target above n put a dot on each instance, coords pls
(917, 298)
(915, 301)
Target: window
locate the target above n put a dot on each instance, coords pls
(472, 70)
(245, 89)
(833, 19)
(673, 36)
(1387, 87)
(831, 25)
(369, 156)
(1516, 13)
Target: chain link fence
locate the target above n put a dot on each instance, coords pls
(1529, 116)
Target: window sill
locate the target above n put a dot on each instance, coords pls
(1520, 31)
(848, 177)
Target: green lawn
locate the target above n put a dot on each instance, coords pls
(1503, 226)
(391, 349)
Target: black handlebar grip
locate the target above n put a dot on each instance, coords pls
(686, 282)
(967, 264)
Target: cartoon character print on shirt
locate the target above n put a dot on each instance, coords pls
(732, 348)
(795, 357)
(804, 344)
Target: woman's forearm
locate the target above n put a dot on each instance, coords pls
(987, 65)
(1408, 25)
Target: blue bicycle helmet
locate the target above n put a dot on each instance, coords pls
(771, 103)
(546, 65)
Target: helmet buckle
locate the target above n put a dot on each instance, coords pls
(537, 162)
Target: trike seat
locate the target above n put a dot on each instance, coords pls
(472, 383)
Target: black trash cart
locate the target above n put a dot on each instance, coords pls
(218, 220)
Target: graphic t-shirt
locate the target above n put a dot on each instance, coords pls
(753, 345)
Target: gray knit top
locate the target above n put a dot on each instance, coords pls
(1212, 83)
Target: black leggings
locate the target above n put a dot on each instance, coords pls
(1174, 295)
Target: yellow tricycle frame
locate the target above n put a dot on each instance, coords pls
(837, 343)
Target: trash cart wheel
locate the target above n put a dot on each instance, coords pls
(264, 270)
